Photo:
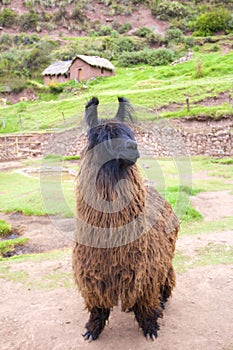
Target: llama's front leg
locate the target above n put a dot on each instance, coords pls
(147, 320)
(96, 323)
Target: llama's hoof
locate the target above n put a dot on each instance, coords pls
(151, 336)
(88, 336)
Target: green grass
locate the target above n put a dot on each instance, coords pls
(209, 255)
(13, 269)
(214, 254)
(5, 228)
(9, 245)
(58, 255)
(194, 228)
(181, 262)
(172, 178)
(24, 194)
(18, 276)
(143, 85)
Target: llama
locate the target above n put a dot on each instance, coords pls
(125, 233)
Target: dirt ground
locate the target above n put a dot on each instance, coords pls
(199, 315)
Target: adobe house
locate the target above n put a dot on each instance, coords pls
(81, 67)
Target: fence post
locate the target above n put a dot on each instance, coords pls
(5, 143)
(188, 105)
(16, 146)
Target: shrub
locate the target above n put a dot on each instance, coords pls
(174, 35)
(55, 88)
(61, 15)
(142, 32)
(5, 228)
(212, 22)
(5, 39)
(17, 84)
(104, 30)
(28, 21)
(78, 14)
(160, 57)
(131, 58)
(124, 28)
(157, 57)
(125, 44)
(117, 9)
(168, 9)
(199, 69)
(189, 41)
(230, 23)
(155, 38)
(8, 18)
(36, 59)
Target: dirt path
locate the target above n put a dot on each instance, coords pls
(199, 315)
(214, 205)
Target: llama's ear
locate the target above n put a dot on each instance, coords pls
(125, 110)
(91, 114)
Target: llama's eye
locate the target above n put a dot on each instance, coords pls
(130, 144)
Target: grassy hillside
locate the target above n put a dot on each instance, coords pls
(155, 34)
(206, 80)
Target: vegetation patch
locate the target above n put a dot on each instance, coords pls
(199, 227)
(8, 247)
(214, 254)
(181, 262)
(5, 228)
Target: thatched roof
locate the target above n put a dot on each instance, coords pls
(62, 67)
(96, 61)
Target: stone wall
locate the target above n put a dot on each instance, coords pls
(23, 146)
(161, 140)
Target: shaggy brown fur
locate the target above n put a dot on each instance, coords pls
(124, 255)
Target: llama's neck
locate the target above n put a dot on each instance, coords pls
(111, 191)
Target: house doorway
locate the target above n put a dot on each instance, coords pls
(80, 73)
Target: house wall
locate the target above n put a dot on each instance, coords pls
(86, 71)
(56, 79)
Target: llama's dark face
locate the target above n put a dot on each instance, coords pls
(113, 140)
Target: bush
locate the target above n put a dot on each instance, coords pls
(230, 23)
(78, 14)
(55, 88)
(17, 84)
(8, 18)
(157, 57)
(155, 39)
(5, 228)
(174, 35)
(5, 40)
(104, 30)
(212, 22)
(124, 28)
(28, 21)
(131, 58)
(160, 57)
(168, 9)
(142, 32)
(36, 59)
(198, 69)
(189, 41)
(125, 44)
